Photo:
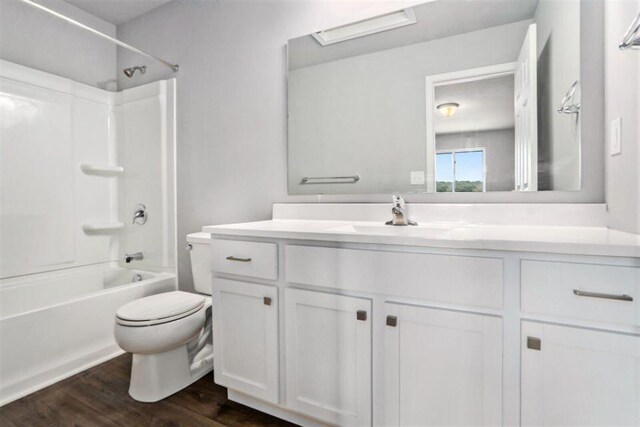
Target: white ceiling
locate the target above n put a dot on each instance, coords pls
(485, 104)
(117, 11)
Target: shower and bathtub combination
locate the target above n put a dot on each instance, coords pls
(76, 164)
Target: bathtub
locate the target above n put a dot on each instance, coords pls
(56, 324)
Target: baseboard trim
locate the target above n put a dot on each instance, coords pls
(271, 409)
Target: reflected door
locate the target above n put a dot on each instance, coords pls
(526, 112)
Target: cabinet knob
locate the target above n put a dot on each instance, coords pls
(361, 315)
(267, 300)
(392, 321)
(534, 343)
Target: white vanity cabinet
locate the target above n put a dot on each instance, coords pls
(328, 356)
(246, 338)
(578, 373)
(442, 367)
(579, 377)
(350, 334)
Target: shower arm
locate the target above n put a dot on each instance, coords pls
(173, 67)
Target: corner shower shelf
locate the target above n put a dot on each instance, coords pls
(102, 170)
(101, 227)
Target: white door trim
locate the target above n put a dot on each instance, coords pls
(461, 76)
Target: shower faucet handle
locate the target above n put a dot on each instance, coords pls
(140, 215)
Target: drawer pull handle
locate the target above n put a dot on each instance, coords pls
(361, 315)
(605, 296)
(233, 258)
(266, 300)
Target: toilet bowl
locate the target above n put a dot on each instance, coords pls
(170, 333)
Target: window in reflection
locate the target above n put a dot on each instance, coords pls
(444, 172)
(460, 171)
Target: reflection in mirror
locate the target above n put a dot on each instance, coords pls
(447, 96)
(480, 127)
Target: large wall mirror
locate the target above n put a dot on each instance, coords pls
(446, 96)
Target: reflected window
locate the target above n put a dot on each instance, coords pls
(460, 171)
(444, 172)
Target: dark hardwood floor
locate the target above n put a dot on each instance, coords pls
(99, 397)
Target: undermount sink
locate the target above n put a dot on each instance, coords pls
(433, 231)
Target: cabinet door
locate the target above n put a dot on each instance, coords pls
(328, 356)
(579, 377)
(245, 342)
(442, 367)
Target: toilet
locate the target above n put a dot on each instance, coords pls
(169, 334)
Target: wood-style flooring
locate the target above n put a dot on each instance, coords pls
(99, 397)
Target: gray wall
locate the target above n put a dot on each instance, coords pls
(623, 100)
(499, 154)
(232, 143)
(366, 114)
(35, 39)
(231, 99)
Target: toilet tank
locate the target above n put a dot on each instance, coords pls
(200, 261)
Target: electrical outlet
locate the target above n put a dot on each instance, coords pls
(417, 177)
(615, 136)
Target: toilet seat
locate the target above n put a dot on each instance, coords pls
(159, 309)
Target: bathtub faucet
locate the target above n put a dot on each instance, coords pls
(131, 257)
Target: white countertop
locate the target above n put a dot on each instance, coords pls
(550, 239)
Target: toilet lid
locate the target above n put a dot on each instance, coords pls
(161, 306)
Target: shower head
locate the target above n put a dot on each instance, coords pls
(129, 72)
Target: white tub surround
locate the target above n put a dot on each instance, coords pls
(92, 156)
(530, 316)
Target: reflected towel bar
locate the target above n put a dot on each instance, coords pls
(631, 38)
(330, 179)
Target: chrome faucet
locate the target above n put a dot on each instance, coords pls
(131, 257)
(399, 213)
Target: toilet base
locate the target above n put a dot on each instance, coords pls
(156, 376)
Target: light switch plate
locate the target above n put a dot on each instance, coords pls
(615, 136)
(417, 177)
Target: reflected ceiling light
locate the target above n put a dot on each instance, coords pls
(448, 109)
(366, 27)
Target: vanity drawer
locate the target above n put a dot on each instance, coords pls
(468, 280)
(597, 292)
(251, 259)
